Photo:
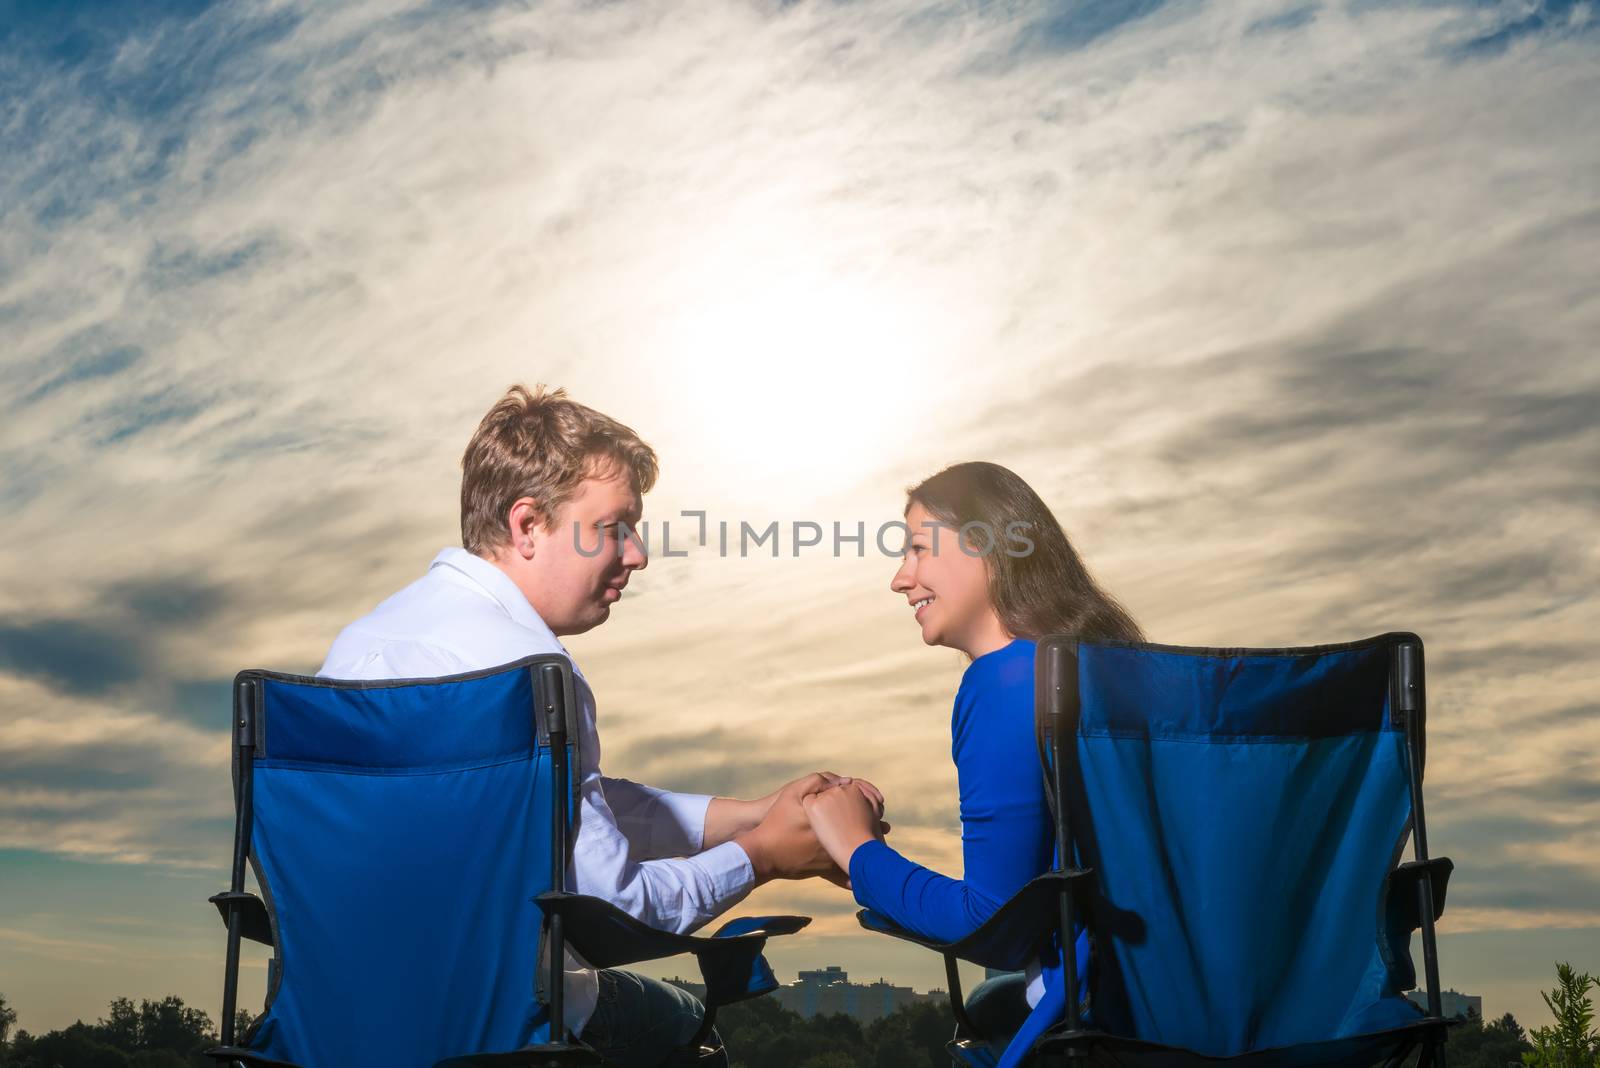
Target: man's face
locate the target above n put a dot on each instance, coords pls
(581, 563)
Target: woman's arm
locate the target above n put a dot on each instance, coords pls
(916, 898)
(1005, 821)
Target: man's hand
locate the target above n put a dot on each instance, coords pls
(783, 845)
(844, 817)
(814, 783)
(727, 818)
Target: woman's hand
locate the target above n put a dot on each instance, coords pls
(727, 818)
(844, 817)
(814, 783)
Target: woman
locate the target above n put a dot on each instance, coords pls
(987, 570)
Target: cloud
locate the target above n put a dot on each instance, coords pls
(119, 643)
(1057, 29)
(102, 364)
(88, 778)
(77, 656)
(1549, 18)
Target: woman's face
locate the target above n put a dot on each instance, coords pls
(946, 587)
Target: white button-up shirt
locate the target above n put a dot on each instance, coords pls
(637, 847)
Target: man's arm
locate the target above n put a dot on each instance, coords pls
(670, 893)
(659, 823)
(663, 823)
(682, 893)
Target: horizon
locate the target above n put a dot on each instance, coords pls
(1284, 308)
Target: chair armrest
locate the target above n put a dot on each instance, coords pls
(254, 923)
(1008, 939)
(1402, 887)
(1400, 912)
(730, 960)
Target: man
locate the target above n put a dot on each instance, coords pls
(549, 490)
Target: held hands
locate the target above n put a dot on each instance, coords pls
(801, 787)
(843, 817)
(783, 845)
(729, 819)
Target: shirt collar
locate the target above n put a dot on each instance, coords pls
(498, 585)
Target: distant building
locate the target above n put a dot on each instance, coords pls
(828, 976)
(828, 991)
(1452, 1003)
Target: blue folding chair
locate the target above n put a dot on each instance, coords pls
(411, 840)
(1236, 820)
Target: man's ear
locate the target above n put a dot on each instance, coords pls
(526, 527)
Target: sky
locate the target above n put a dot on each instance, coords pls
(1288, 311)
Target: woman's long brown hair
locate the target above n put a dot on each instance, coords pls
(1045, 590)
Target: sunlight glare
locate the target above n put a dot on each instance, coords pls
(795, 379)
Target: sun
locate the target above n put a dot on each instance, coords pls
(800, 378)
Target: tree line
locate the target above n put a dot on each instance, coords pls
(763, 1034)
(152, 1034)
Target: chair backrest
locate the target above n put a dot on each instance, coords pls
(399, 831)
(1241, 810)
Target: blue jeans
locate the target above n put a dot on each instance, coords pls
(997, 1007)
(638, 1022)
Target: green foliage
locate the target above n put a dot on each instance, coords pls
(759, 1033)
(120, 1026)
(170, 1026)
(1476, 1044)
(8, 1020)
(1571, 1042)
(763, 1034)
(77, 1046)
(153, 1034)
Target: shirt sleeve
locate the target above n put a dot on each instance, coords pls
(1005, 823)
(677, 894)
(916, 898)
(670, 893)
(657, 823)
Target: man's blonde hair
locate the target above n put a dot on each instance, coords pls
(540, 444)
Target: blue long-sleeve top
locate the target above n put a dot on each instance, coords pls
(1006, 833)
